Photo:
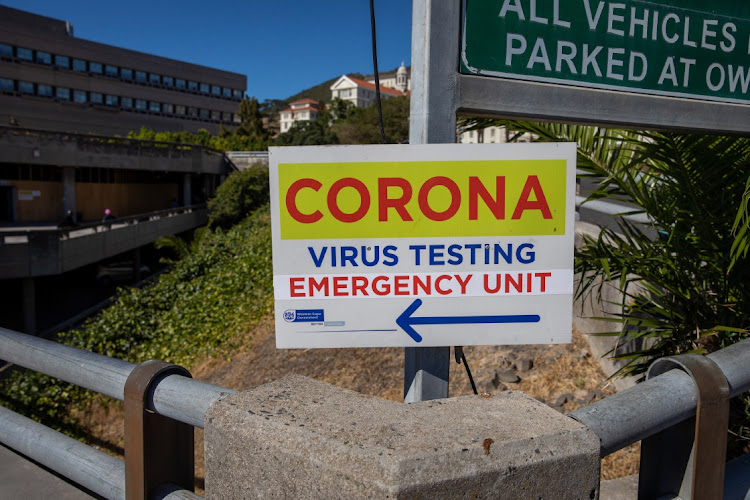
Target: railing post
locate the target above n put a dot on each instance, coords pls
(688, 459)
(158, 450)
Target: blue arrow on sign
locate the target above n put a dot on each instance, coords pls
(405, 321)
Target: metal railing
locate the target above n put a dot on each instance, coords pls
(653, 407)
(173, 396)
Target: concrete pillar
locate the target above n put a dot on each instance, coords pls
(137, 265)
(69, 192)
(28, 294)
(187, 187)
(300, 438)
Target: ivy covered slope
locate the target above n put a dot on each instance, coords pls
(216, 291)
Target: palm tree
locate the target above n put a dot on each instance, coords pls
(687, 289)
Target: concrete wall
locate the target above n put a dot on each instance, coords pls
(300, 438)
(41, 253)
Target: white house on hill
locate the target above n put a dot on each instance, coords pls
(303, 110)
(359, 92)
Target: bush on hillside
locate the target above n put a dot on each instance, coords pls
(211, 295)
(241, 193)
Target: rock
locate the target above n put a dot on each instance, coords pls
(508, 376)
(584, 397)
(524, 364)
(562, 399)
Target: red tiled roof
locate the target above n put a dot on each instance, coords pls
(305, 100)
(306, 108)
(371, 86)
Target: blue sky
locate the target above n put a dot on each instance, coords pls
(283, 46)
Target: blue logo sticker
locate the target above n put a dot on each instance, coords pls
(303, 315)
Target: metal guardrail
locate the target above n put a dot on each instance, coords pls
(173, 396)
(11, 235)
(661, 403)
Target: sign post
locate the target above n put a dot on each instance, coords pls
(435, 37)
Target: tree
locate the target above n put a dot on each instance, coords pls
(241, 193)
(307, 134)
(251, 120)
(360, 126)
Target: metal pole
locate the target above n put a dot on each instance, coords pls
(434, 100)
(177, 397)
(92, 469)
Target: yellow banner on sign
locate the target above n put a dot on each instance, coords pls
(422, 199)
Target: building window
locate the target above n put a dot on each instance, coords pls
(236, 118)
(140, 76)
(154, 78)
(62, 93)
(204, 114)
(96, 98)
(168, 81)
(24, 54)
(126, 73)
(205, 88)
(167, 108)
(127, 102)
(6, 50)
(192, 85)
(62, 62)
(79, 96)
(180, 83)
(110, 70)
(225, 92)
(191, 111)
(237, 94)
(95, 67)
(79, 65)
(345, 93)
(216, 115)
(111, 100)
(179, 109)
(43, 57)
(215, 90)
(6, 84)
(140, 104)
(26, 87)
(154, 107)
(226, 116)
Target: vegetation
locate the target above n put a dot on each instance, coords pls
(241, 193)
(343, 123)
(684, 276)
(361, 125)
(250, 135)
(219, 287)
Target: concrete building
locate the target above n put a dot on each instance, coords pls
(302, 110)
(62, 99)
(51, 80)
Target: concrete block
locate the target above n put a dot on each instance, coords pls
(300, 438)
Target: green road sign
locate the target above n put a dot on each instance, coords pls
(679, 48)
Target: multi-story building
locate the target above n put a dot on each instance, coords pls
(51, 80)
(302, 110)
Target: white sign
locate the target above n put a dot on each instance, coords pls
(423, 245)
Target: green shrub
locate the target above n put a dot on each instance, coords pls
(241, 193)
(210, 296)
